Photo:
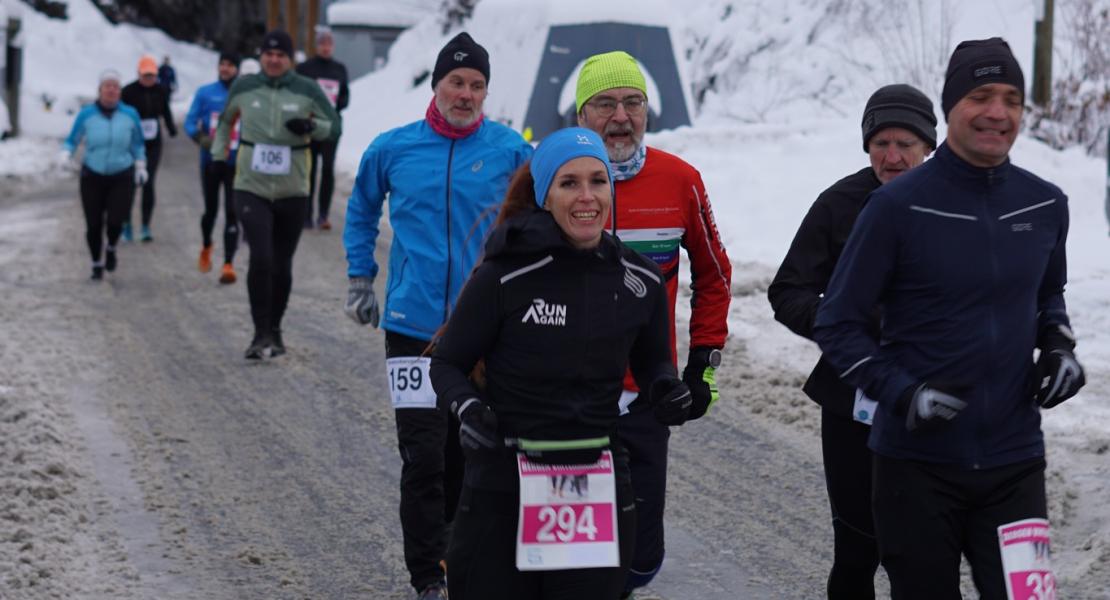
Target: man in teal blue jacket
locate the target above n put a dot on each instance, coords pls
(445, 176)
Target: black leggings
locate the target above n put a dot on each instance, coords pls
(431, 476)
(848, 479)
(210, 184)
(105, 195)
(646, 440)
(481, 560)
(153, 156)
(324, 151)
(273, 228)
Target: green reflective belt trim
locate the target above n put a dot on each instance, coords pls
(709, 376)
(599, 442)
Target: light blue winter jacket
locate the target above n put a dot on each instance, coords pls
(443, 197)
(112, 144)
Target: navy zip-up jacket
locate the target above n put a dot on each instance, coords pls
(969, 265)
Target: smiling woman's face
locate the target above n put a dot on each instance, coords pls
(580, 198)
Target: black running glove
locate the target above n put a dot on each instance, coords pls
(700, 376)
(300, 126)
(1060, 376)
(477, 425)
(927, 404)
(671, 399)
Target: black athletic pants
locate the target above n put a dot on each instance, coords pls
(273, 228)
(153, 156)
(325, 152)
(927, 515)
(105, 199)
(646, 440)
(211, 183)
(481, 562)
(431, 475)
(848, 480)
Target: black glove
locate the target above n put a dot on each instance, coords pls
(1060, 376)
(300, 126)
(477, 425)
(928, 404)
(217, 168)
(671, 399)
(700, 376)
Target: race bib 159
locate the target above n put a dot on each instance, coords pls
(409, 384)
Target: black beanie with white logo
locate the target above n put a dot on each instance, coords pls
(979, 62)
(900, 105)
(461, 52)
(278, 40)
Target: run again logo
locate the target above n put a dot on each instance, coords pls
(542, 313)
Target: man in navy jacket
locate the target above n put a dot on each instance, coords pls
(966, 256)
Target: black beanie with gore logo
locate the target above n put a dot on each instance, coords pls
(461, 52)
(979, 62)
(900, 105)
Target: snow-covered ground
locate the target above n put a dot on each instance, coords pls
(779, 124)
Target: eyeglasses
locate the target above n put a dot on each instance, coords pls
(633, 106)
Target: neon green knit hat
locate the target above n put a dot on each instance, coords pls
(607, 71)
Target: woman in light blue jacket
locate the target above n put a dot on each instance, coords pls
(114, 163)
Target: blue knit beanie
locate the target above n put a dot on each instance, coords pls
(561, 147)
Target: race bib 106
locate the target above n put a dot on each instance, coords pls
(1026, 560)
(568, 516)
(150, 128)
(271, 160)
(409, 384)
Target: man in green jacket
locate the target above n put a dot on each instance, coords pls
(279, 113)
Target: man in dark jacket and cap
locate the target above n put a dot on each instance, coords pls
(899, 131)
(967, 256)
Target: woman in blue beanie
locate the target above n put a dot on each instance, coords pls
(557, 310)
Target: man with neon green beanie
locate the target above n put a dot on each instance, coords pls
(660, 205)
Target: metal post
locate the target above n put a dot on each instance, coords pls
(273, 11)
(1042, 55)
(310, 27)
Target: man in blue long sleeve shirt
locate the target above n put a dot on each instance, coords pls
(966, 256)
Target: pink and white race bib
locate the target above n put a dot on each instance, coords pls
(331, 89)
(568, 516)
(1026, 560)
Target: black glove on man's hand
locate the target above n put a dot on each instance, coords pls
(477, 425)
(930, 404)
(671, 399)
(300, 126)
(700, 376)
(1060, 376)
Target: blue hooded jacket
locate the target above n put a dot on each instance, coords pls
(443, 197)
(969, 265)
(112, 143)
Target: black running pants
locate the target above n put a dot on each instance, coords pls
(105, 199)
(646, 440)
(211, 183)
(431, 476)
(273, 228)
(153, 156)
(848, 480)
(927, 515)
(322, 152)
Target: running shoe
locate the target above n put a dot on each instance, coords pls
(125, 234)
(110, 260)
(204, 263)
(146, 237)
(227, 274)
(323, 224)
(258, 348)
(436, 591)
(97, 273)
(277, 346)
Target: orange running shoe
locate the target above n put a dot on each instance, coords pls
(227, 274)
(204, 263)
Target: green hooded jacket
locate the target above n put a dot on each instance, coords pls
(263, 105)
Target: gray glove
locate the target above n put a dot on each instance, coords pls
(926, 404)
(362, 305)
